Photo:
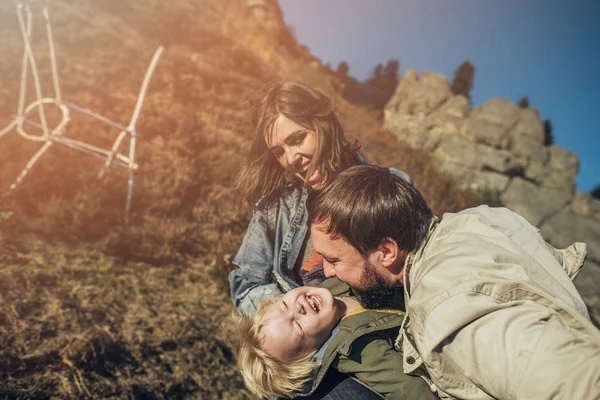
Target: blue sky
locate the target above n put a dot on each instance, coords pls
(548, 50)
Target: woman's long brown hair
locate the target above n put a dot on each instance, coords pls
(263, 179)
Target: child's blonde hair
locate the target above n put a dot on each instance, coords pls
(263, 374)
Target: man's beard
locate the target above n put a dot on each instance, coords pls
(380, 293)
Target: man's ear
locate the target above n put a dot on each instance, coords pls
(391, 257)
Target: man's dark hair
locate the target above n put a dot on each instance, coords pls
(366, 204)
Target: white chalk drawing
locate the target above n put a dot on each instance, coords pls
(49, 136)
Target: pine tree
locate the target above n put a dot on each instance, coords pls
(391, 69)
(343, 69)
(524, 102)
(376, 75)
(390, 75)
(595, 192)
(385, 78)
(548, 136)
(463, 79)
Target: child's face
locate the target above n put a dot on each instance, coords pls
(299, 322)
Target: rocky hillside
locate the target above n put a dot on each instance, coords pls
(498, 148)
(96, 307)
(92, 306)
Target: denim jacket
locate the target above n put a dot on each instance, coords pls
(265, 268)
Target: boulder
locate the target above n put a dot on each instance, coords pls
(526, 148)
(414, 140)
(418, 107)
(406, 86)
(529, 125)
(502, 161)
(537, 169)
(482, 131)
(457, 150)
(470, 179)
(435, 81)
(499, 112)
(562, 230)
(491, 182)
(447, 120)
(594, 206)
(588, 284)
(415, 96)
(562, 169)
(402, 123)
(491, 122)
(580, 204)
(566, 227)
(410, 76)
(556, 180)
(427, 143)
(563, 159)
(435, 137)
(535, 204)
(498, 148)
(454, 110)
(585, 205)
(445, 129)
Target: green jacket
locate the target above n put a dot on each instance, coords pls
(362, 346)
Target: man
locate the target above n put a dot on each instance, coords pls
(491, 309)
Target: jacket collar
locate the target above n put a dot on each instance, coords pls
(405, 341)
(410, 258)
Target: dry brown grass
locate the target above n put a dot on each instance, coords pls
(78, 321)
(93, 307)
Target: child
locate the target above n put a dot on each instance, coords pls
(293, 339)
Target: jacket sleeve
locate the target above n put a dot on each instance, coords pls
(527, 352)
(251, 282)
(375, 364)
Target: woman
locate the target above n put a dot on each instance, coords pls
(299, 146)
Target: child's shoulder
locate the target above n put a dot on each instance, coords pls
(371, 330)
(363, 321)
(364, 315)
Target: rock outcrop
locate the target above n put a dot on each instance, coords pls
(498, 148)
(259, 26)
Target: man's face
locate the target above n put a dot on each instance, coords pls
(367, 277)
(339, 258)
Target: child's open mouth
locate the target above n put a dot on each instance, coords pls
(315, 302)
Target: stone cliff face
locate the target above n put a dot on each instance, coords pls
(259, 26)
(499, 148)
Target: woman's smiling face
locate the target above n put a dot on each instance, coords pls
(299, 322)
(294, 147)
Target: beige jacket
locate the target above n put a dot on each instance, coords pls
(492, 312)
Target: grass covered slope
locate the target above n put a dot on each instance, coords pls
(94, 307)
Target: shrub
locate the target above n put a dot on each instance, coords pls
(524, 102)
(548, 136)
(462, 84)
